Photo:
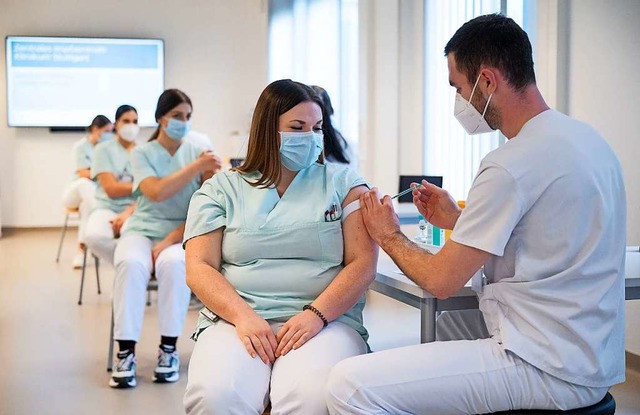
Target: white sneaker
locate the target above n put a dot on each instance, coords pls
(78, 260)
(168, 368)
(124, 372)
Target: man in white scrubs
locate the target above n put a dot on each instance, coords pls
(546, 217)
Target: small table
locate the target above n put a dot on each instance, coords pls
(392, 283)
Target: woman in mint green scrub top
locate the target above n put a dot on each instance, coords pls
(166, 172)
(114, 199)
(281, 276)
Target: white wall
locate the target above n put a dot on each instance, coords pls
(215, 51)
(604, 40)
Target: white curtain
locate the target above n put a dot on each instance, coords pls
(449, 151)
(316, 42)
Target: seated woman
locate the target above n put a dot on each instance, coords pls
(282, 281)
(80, 193)
(114, 200)
(336, 147)
(166, 172)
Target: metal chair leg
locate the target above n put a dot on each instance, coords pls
(111, 342)
(148, 298)
(97, 264)
(64, 231)
(84, 268)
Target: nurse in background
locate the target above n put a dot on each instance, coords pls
(166, 171)
(79, 194)
(114, 200)
(336, 147)
(282, 282)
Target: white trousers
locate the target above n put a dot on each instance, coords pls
(449, 377)
(79, 195)
(133, 265)
(99, 234)
(224, 379)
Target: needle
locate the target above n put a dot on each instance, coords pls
(404, 192)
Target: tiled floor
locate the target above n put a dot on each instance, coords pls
(53, 352)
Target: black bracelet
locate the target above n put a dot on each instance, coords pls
(317, 313)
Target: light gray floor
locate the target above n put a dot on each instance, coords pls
(53, 352)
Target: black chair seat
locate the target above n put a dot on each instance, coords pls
(607, 406)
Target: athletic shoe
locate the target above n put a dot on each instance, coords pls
(168, 368)
(124, 373)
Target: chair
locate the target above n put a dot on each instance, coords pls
(68, 212)
(151, 286)
(607, 406)
(76, 212)
(84, 268)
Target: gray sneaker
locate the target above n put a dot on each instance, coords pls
(124, 372)
(168, 368)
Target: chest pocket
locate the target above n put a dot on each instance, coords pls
(320, 242)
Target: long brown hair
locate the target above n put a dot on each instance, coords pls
(167, 101)
(263, 153)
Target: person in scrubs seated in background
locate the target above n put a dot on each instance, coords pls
(114, 200)
(282, 283)
(546, 217)
(336, 147)
(81, 191)
(166, 172)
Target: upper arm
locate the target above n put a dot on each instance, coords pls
(358, 245)
(205, 249)
(143, 171)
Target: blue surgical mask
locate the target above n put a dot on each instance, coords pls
(300, 150)
(106, 136)
(177, 129)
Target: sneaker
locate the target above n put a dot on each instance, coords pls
(78, 260)
(124, 373)
(168, 369)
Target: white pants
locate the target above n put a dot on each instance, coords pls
(133, 265)
(449, 377)
(79, 195)
(99, 234)
(224, 379)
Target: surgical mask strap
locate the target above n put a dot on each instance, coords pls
(474, 90)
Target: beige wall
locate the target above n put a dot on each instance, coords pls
(215, 50)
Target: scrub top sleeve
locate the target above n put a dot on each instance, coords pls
(347, 180)
(101, 162)
(494, 208)
(82, 161)
(207, 211)
(141, 167)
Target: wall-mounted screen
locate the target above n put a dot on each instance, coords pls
(66, 82)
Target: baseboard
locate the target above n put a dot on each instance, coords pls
(633, 361)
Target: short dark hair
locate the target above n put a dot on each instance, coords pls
(494, 40)
(167, 101)
(263, 153)
(98, 122)
(122, 109)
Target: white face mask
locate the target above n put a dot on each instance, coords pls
(129, 132)
(468, 116)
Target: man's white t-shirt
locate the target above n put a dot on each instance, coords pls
(550, 206)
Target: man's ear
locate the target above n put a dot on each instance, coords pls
(488, 81)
